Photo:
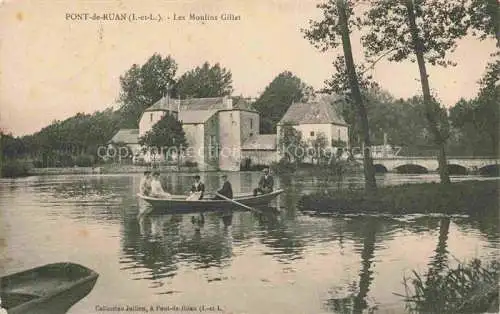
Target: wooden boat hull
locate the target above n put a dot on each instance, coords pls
(49, 289)
(179, 204)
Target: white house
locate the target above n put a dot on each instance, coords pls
(317, 117)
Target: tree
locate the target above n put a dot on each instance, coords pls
(11, 147)
(477, 120)
(339, 84)
(337, 20)
(319, 145)
(485, 18)
(142, 86)
(291, 144)
(425, 30)
(205, 81)
(285, 89)
(166, 137)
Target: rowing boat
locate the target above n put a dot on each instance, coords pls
(49, 289)
(179, 204)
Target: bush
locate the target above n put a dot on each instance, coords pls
(476, 198)
(84, 161)
(14, 168)
(468, 288)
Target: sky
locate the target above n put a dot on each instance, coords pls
(54, 62)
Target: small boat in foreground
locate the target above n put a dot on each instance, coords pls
(179, 204)
(49, 289)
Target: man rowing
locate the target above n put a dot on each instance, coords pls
(266, 183)
(226, 189)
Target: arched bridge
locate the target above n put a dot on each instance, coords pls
(457, 165)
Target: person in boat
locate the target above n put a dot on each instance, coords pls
(226, 189)
(2, 310)
(266, 183)
(145, 185)
(156, 187)
(197, 189)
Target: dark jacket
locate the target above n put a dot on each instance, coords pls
(226, 190)
(266, 183)
(199, 188)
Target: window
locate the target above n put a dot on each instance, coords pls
(251, 123)
(212, 147)
(312, 133)
(338, 134)
(151, 117)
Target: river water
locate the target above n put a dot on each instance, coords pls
(244, 263)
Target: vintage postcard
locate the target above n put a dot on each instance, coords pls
(260, 157)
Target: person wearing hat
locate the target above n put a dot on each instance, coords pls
(226, 190)
(156, 187)
(197, 189)
(145, 185)
(266, 183)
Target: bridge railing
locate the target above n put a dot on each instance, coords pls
(388, 151)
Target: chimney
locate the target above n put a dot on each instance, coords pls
(228, 102)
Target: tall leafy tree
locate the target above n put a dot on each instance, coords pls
(285, 89)
(477, 120)
(485, 18)
(337, 20)
(63, 142)
(141, 86)
(205, 81)
(291, 144)
(425, 30)
(339, 84)
(166, 136)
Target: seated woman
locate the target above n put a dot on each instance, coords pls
(156, 187)
(197, 190)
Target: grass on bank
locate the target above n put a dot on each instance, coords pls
(470, 197)
(468, 288)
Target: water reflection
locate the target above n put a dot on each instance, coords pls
(351, 262)
(155, 246)
(356, 302)
(440, 259)
(280, 236)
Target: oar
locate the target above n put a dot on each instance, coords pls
(237, 203)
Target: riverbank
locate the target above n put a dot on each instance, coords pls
(105, 169)
(474, 198)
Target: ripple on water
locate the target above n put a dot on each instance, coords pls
(328, 262)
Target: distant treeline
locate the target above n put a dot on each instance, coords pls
(471, 125)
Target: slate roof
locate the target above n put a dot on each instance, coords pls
(260, 142)
(164, 104)
(127, 136)
(319, 111)
(195, 116)
(213, 103)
